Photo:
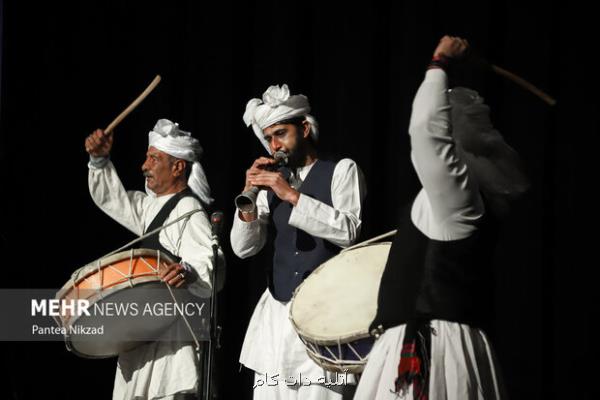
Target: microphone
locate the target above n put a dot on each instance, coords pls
(246, 202)
(216, 222)
(216, 225)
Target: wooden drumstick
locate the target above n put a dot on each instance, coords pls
(133, 105)
(524, 84)
(483, 63)
(369, 241)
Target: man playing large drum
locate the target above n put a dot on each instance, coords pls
(315, 208)
(175, 184)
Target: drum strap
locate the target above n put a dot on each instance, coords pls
(152, 241)
(75, 275)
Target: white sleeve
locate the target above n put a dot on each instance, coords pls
(191, 239)
(453, 197)
(340, 223)
(107, 191)
(248, 238)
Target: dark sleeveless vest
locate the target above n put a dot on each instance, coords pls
(297, 253)
(152, 242)
(427, 279)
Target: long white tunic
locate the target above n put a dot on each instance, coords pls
(448, 207)
(160, 369)
(271, 345)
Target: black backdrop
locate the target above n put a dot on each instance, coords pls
(69, 68)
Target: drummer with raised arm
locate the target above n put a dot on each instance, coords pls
(175, 185)
(436, 292)
(315, 207)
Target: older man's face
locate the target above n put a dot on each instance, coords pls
(159, 170)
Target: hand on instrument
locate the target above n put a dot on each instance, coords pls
(277, 183)
(175, 275)
(259, 165)
(451, 47)
(99, 143)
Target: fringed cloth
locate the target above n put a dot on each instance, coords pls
(414, 365)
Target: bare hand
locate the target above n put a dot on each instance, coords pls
(451, 47)
(99, 143)
(257, 167)
(278, 184)
(174, 275)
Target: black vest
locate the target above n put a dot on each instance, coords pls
(151, 242)
(297, 253)
(428, 279)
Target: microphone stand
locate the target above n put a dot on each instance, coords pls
(214, 328)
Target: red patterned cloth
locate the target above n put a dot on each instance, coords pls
(413, 368)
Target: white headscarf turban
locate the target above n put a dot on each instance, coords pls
(277, 105)
(495, 165)
(167, 137)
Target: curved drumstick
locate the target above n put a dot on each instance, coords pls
(524, 84)
(482, 63)
(133, 105)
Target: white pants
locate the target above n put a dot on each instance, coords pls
(274, 351)
(283, 391)
(463, 366)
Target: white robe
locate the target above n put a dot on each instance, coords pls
(448, 207)
(161, 369)
(271, 346)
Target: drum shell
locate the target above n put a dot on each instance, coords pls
(123, 278)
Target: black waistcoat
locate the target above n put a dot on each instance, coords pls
(297, 253)
(431, 279)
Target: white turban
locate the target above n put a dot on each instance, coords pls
(168, 138)
(277, 105)
(495, 165)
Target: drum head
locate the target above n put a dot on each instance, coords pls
(338, 301)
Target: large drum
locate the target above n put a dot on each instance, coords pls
(333, 308)
(111, 287)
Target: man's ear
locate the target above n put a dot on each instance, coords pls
(178, 167)
(306, 129)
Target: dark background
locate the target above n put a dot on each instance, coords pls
(68, 68)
